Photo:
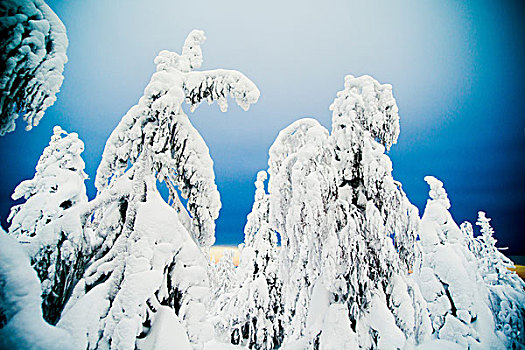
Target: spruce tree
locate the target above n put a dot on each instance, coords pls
(48, 222)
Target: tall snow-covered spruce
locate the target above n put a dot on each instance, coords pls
(151, 267)
(48, 222)
(33, 45)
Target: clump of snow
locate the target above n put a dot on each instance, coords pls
(21, 322)
(33, 56)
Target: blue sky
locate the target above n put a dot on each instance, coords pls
(456, 70)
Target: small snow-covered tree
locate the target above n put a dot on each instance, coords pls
(48, 222)
(155, 256)
(456, 296)
(506, 288)
(253, 310)
(33, 45)
(224, 274)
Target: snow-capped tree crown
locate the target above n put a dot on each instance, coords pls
(33, 56)
(157, 123)
(371, 105)
(437, 192)
(61, 157)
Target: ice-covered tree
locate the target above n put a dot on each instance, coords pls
(48, 222)
(252, 314)
(154, 256)
(456, 296)
(375, 218)
(33, 45)
(506, 288)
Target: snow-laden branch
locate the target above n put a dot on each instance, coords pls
(32, 58)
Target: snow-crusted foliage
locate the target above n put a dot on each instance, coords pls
(153, 264)
(455, 293)
(33, 45)
(48, 222)
(364, 122)
(179, 154)
(21, 323)
(251, 314)
(506, 288)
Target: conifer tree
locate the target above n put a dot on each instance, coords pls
(254, 307)
(48, 222)
(506, 288)
(457, 299)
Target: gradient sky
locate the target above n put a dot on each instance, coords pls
(456, 69)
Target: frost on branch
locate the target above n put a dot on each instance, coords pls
(371, 105)
(48, 222)
(33, 46)
(179, 154)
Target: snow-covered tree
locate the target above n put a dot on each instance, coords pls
(506, 288)
(48, 222)
(154, 255)
(21, 322)
(159, 125)
(455, 293)
(301, 189)
(252, 312)
(224, 275)
(33, 45)
(348, 230)
(375, 217)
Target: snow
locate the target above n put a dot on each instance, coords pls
(165, 332)
(21, 322)
(35, 43)
(177, 151)
(135, 271)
